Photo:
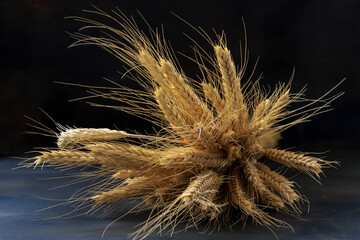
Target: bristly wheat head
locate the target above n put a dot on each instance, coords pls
(204, 163)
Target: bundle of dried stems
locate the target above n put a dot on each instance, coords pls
(203, 167)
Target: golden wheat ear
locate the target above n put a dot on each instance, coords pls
(212, 95)
(66, 158)
(307, 164)
(71, 138)
(278, 183)
(259, 188)
(238, 196)
(232, 90)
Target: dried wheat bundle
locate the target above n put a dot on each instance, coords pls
(204, 166)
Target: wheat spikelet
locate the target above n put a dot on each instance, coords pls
(135, 187)
(235, 152)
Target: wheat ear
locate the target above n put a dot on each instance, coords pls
(172, 114)
(207, 200)
(123, 174)
(240, 199)
(125, 150)
(182, 157)
(278, 183)
(213, 96)
(257, 124)
(299, 161)
(67, 158)
(74, 137)
(150, 63)
(165, 75)
(231, 85)
(130, 188)
(201, 184)
(277, 109)
(252, 175)
(123, 156)
(135, 187)
(228, 72)
(185, 94)
(260, 110)
(237, 195)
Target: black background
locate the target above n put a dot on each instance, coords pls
(320, 38)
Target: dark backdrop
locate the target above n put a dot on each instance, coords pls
(320, 38)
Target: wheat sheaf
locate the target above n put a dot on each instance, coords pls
(205, 164)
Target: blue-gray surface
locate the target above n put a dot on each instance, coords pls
(334, 213)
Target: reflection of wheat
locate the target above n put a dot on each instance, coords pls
(205, 165)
